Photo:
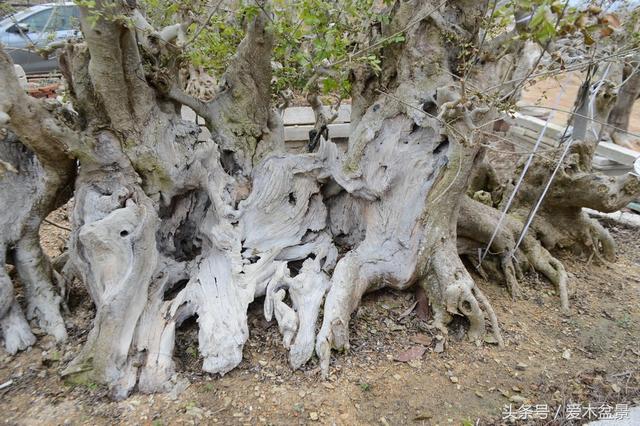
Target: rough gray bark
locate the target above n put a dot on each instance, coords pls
(167, 227)
(628, 94)
(37, 179)
(560, 223)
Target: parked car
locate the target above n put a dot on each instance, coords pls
(38, 26)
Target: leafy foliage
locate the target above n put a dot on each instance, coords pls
(549, 19)
(326, 39)
(311, 37)
(6, 9)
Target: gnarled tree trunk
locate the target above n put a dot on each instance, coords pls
(37, 177)
(167, 227)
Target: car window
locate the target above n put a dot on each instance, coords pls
(16, 17)
(36, 22)
(59, 18)
(66, 18)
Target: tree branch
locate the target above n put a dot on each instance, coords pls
(116, 69)
(201, 108)
(28, 118)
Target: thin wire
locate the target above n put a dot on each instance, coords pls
(573, 67)
(503, 215)
(22, 33)
(553, 174)
(55, 10)
(384, 40)
(583, 116)
(592, 101)
(630, 75)
(206, 23)
(535, 65)
(515, 144)
(52, 223)
(482, 40)
(523, 233)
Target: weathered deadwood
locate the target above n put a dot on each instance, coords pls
(401, 150)
(201, 228)
(37, 182)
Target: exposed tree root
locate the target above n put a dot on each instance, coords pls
(32, 191)
(477, 223)
(560, 221)
(43, 302)
(493, 319)
(298, 325)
